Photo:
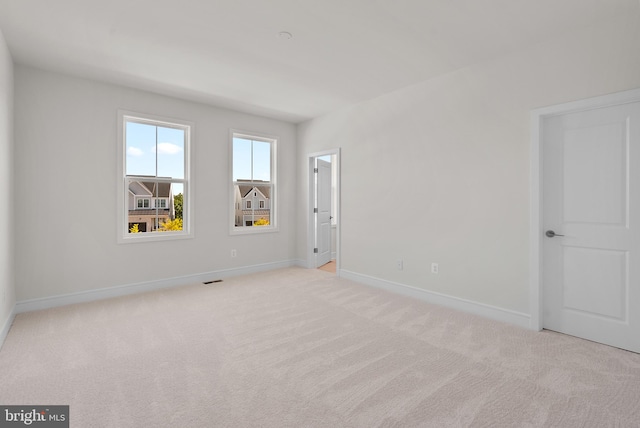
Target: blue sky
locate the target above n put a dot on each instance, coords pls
(162, 157)
(243, 166)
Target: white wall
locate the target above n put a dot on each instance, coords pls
(7, 290)
(453, 153)
(65, 170)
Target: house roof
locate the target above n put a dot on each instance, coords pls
(150, 188)
(265, 190)
(153, 212)
(257, 212)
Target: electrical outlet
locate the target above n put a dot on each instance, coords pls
(434, 267)
(400, 264)
(234, 253)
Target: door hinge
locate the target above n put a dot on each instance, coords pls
(315, 170)
(315, 211)
(315, 251)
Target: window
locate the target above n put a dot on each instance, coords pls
(153, 195)
(253, 183)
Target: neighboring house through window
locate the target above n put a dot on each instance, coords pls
(154, 155)
(254, 183)
(142, 202)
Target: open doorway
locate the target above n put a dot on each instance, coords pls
(324, 209)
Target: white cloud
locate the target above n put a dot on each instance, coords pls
(168, 149)
(134, 151)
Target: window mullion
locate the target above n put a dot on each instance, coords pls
(252, 161)
(156, 179)
(156, 151)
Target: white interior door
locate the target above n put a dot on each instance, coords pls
(323, 218)
(591, 196)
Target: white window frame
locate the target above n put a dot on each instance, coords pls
(123, 235)
(140, 201)
(273, 215)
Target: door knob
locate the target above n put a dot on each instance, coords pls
(551, 234)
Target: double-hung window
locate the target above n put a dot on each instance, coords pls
(154, 178)
(253, 190)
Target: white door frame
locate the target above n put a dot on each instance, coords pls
(536, 227)
(311, 257)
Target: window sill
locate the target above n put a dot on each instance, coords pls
(251, 230)
(153, 237)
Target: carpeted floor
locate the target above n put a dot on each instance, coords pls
(304, 348)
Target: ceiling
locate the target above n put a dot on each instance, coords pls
(228, 52)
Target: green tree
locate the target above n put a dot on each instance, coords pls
(177, 205)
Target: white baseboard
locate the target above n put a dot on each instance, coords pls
(141, 287)
(303, 264)
(492, 312)
(7, 326)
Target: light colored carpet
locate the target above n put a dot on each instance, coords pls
(304, 348)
